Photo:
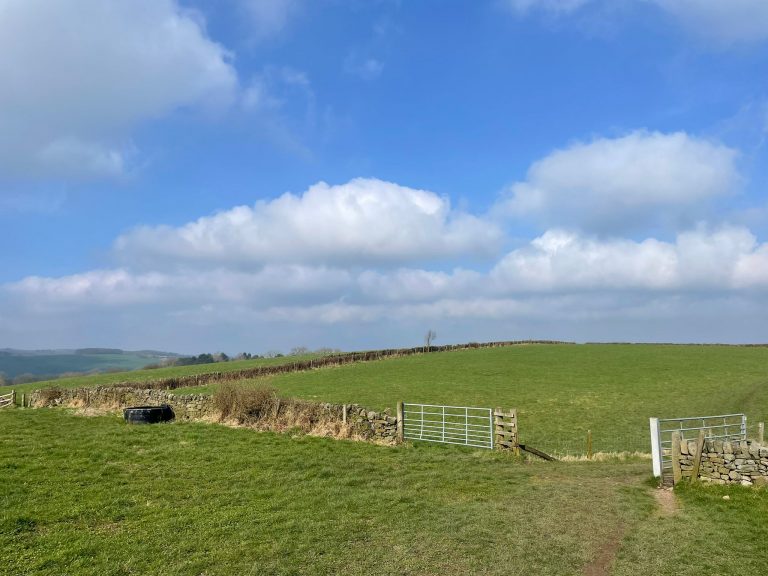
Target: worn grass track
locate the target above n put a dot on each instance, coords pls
(95, 496)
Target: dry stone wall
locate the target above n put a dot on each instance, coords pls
(369, 424)
(726, 462)
(186, 407)
(205, 378)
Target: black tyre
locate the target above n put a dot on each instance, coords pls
(148, 414)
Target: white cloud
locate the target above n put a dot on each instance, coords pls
(268, 286)
(723, 21)
(727, 21)
(84, 74)
(643, 178)
(363, 221)
(726, 259)
(364, 68)
(556, 6)
(269, 17)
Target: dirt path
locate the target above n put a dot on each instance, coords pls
(601, 565)
(667, 502)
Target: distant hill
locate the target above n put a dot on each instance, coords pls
(53, 363)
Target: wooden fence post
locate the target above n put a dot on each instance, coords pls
(697, 458)
(677, 473)
(400, 423)
(517, 431)
(760, 433)
(23, 400)
(589, 444)
(13, 397)
(344, 414)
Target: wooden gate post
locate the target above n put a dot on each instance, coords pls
(400, 423)
(505, 432)
(760, 433)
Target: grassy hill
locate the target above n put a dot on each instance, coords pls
(561, 391)
(53, 363)
(158, 373)
(96, 496)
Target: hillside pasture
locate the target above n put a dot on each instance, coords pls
(561, 391)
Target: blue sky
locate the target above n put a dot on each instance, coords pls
(263, 174)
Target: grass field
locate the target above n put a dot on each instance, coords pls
(561, 391)
(92, 495)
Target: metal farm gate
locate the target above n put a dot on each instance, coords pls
(462, 425)
(731, 427)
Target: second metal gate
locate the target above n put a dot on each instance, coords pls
(732, 427)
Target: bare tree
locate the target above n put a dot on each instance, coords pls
(429, 337)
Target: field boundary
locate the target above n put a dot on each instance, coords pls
(334, 360)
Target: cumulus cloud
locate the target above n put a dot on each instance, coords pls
(556, 6)
(731, 21)
(643, 178)
(362, 221)
(726, 22)
(271, 285)
(269, 17)
(85, 74)
(729, 258)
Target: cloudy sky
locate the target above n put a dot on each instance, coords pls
(249, 175)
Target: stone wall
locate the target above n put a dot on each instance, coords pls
(365, 423)
(115, 398)
(726, 462)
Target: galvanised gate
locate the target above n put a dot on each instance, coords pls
(732, 427)
(464, 425)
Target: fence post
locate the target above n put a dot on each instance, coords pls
(760, 433)
(655, 447)
(589, 444)
(13, 397)
(697, 458)
(677, 473)
(517, 432)
(23, 400)
(400, 423)
(344, 414)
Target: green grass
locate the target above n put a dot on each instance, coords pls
(709, 535)
(85, 496)
(561, 391)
